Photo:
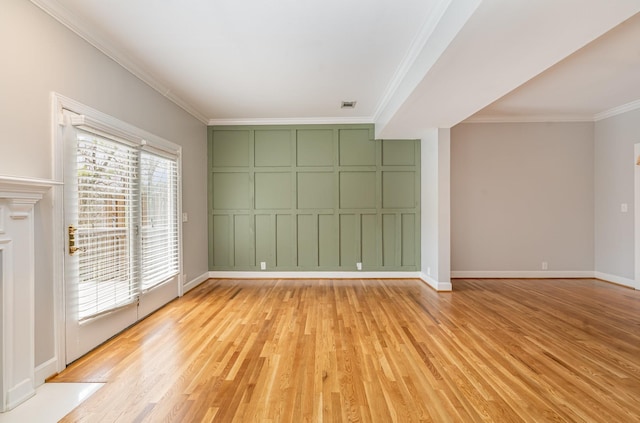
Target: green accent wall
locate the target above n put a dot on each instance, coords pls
(312, 198)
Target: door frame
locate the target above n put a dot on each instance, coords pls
(58, 104)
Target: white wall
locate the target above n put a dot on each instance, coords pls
(435, 209)
(614, 184)
(39, 55)
(521, 194)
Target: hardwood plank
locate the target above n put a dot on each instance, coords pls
(505, 350)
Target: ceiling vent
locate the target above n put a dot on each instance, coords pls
(348, 105)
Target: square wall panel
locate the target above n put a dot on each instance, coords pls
(358, 190)
(356, 148)
(315, 147)
(272, 148)
(273, 190)
(316, 190)
(230, 148)
(231, 191)
(398, 190)
(398, 152)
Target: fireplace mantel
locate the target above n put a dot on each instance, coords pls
(18, 197)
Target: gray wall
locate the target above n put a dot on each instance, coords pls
(39, 56)
(614, 175)
(521, 194)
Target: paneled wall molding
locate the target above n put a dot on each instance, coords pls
(17, 279)
(312, 198)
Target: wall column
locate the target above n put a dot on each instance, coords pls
(436, 209)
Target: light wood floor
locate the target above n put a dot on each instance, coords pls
(374, 351)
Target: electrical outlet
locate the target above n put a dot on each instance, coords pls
(624, 207)
(428, 271)
(359, 266)
(545, 265)
(185, 217)
(263, 265)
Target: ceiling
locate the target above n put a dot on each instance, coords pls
(410, 65)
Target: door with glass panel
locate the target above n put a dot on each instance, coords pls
(121, 224)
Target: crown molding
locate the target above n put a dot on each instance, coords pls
(416, 47)
(293, 121)
(634, 105)
(71, 21)
(530, 119)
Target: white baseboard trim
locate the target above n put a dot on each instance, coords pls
(313, 275)
(45, 370)
(619, 280)
(438, 286)
(516, 274)
(195, 282)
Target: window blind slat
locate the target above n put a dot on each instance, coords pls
(107, 206)
(159, 216)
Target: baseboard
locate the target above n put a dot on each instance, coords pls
(313, 275)
(438, 286)
(195, 282)
(45, 370)
(516, 274)
(618, 280)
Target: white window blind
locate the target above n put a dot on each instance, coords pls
(159, 219)
(107, 214)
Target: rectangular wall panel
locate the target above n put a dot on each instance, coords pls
(265, 239)
(369, 248)
(243, 244)
(307, 240)
(389, 241)
(408, 239)
(221, 240)
(284, 240)
(328, 241)
(348, 257)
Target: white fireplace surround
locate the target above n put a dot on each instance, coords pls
(18, 196)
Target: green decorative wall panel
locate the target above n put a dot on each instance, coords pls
(358, 190)
(315, 147)
(356, 148)
(230, 148)
(272, 148)
(398, 153)
(312, 197)
(398, 190)
(273, 190)
(316, 190)
(231, 191)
